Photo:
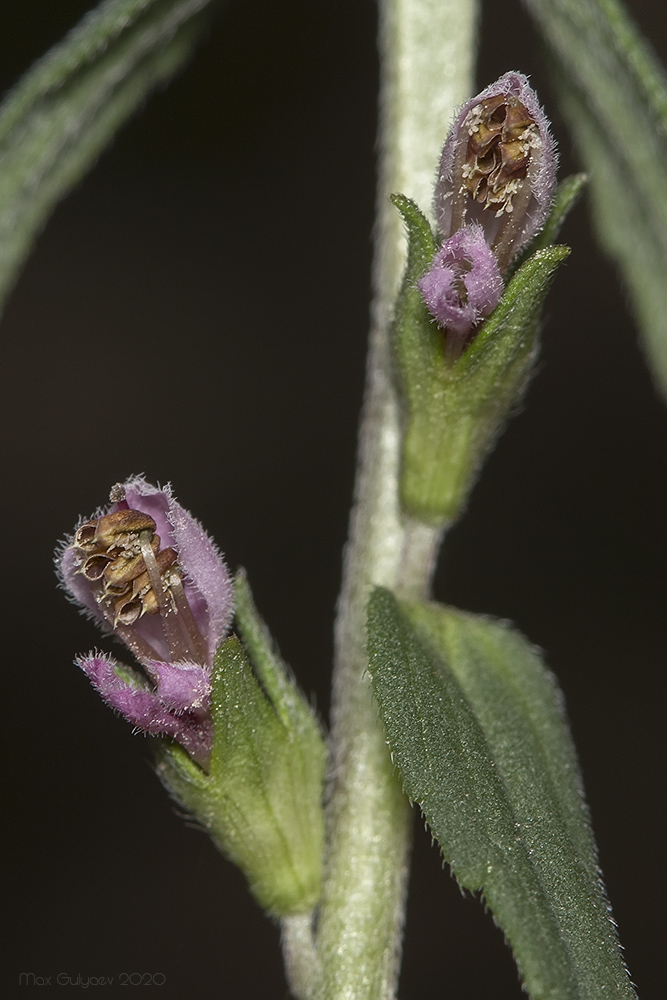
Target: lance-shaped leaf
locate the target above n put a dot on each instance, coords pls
(454, 408)
(261, 795)
(476, 727)
(614, 94)
(66, 109)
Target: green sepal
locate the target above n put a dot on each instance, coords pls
(261, 799)
(567, 195)
(476, 727)
(452, 411)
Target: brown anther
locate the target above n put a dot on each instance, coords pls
(127, 610)
(499, 150)
(94, 567)
(84, 537)
(141, 599)
(149, 602)
(517, 121)
(120, 555)
(113, 591)
(461, 290)
(141, 586)
(121, 529)
(124, 569)
(489, 121)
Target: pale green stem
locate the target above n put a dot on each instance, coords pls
(426, 65)
(301, 966)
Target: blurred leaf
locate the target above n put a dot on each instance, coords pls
(66, 109)
(614, 94)
(476, 727)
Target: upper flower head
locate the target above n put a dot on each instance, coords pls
(498, 167)
(147, 571)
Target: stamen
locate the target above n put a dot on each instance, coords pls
(187, 618)
(141, 649)
(117, 496)
(120, 553)
(84, 537)
(122, 528)
(491, 167)
(180, 648)
(94, 567)
(122, 571)
(503, 244)
(139, 646)
(128, 610)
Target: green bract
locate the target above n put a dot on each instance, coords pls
(454, 410)
(261, 799)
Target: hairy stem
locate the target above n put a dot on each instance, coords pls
(426, 64)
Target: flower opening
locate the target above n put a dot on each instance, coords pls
(498, 167)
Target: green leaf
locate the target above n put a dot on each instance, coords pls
(58, 119)
(261, 799)
(453, 411)
(614, 94)
(476, 728)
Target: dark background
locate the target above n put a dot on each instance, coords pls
(197, 310)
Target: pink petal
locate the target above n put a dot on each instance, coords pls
(146, 710)
(465, 258)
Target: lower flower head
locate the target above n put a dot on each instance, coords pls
(148, 573)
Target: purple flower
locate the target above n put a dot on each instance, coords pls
(498, 167)
(147, 572)
(463, 284)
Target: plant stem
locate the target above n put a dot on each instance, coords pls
(300, 955)
(426, 51)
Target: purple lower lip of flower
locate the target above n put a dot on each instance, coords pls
(178, 707)
(463, 284)
(148, 573)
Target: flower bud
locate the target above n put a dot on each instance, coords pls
(463, 285)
